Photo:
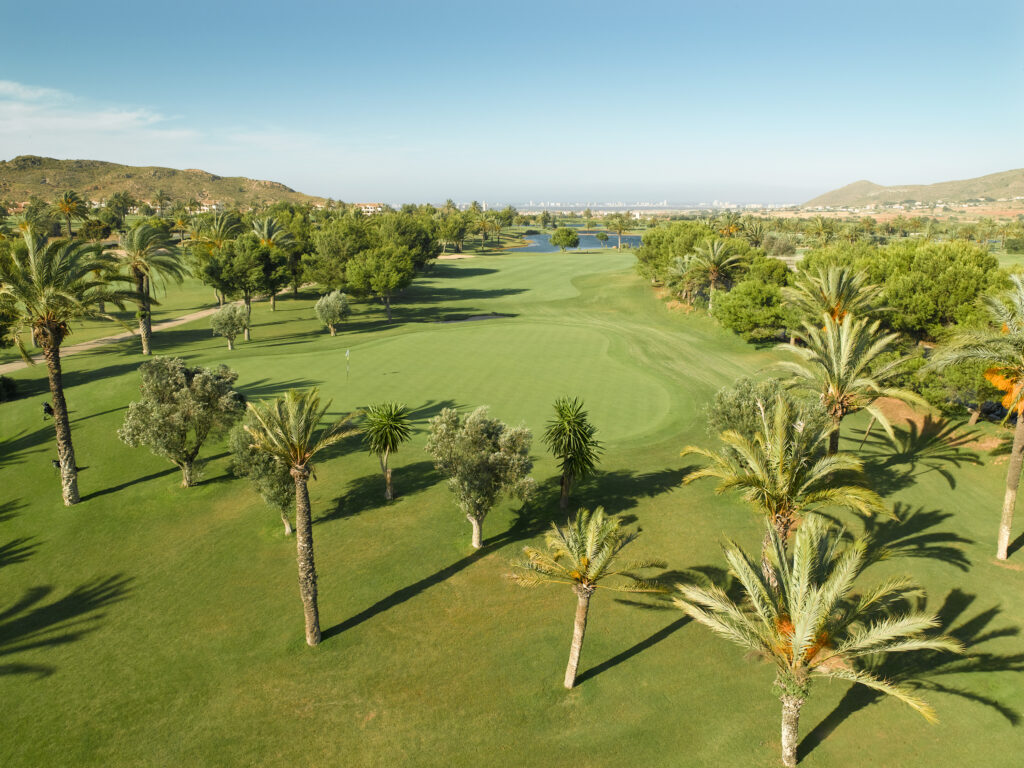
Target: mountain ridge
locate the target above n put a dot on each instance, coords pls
(25, 176)
(1004, 184)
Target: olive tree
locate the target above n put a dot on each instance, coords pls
(181, 407)
(229, 322)
(483, 459)
(270, 478)
(565, 237)
(332, 309)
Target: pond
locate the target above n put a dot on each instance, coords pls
(542, 243)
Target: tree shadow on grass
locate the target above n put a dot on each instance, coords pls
(264, 389)
(621, 489)
(934, 446)
(16, 550)
(1015, 545)
(200, 464)
(922, 671)
(706, 574)
(367, 492)
(531, 519)
(911, 533)
(30, 624)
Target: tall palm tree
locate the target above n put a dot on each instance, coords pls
(679, 277)
(584, 554)
(43, 289)
(716, 260)
(148, 252)
(619, 223)
(836, 291)
(1003, 351)
(161, 198)
(286, 429)
(840, 362)
(783, 471)
(385, 429)
(806, 620)
(755, 230)
(71, 206)
(570, 438)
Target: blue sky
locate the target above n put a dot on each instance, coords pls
(418, 101)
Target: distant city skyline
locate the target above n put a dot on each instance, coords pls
(544, 101)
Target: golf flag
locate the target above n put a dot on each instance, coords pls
(347, 351)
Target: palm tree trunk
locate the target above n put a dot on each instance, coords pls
(563, 502)
(248, 316)
(478, 533)
(1012, 482)
(579, 628)
(833, 438)
(68, 217)
(65, 450)
(287, 523)
(145, 328)
(790, 728)
(389, 493)
(304, 555)
(711, 298)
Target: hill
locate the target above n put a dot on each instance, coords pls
(1008, 184)
(29, 175)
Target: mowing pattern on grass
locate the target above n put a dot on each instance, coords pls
(156, 625)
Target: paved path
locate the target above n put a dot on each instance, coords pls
(87, 345)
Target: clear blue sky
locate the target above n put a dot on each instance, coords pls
(517, 101)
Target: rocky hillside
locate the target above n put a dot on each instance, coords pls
(1008, 184)
(28, 175)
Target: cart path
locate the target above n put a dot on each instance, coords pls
(85, 346)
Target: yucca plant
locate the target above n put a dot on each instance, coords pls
(385, 429)
(1002, 349)
(43, 289)
(569, 436)
(807, 620)
(584, 554)
(840, 363)
(288, 430)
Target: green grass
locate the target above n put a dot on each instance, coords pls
(175, 301)
(430, 657)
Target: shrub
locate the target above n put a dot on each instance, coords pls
(755, 310)
(229, 322)
(332, 309)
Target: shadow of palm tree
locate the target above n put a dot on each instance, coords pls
(30, 624)
(621, 489)
(923, 670)
(910, 533)
(936, 446)
(17, 551)
(267, 388)
(704, 574)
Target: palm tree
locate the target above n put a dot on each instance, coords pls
(821, 228)
(271, 234)
(148, 251)
(836, 291)
(1003, 351)
(43, 289)
(161, 198)
(716, 260)
(71, 206)
(841, 363)
(583, 554)
(619, 223)
(783, 471)
(679, 277)
(385, 429)
(220, 228)
(570, 438)
(755, 231)
(806, 620)
(286, 429)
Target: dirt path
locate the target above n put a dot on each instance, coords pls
(87, 345)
